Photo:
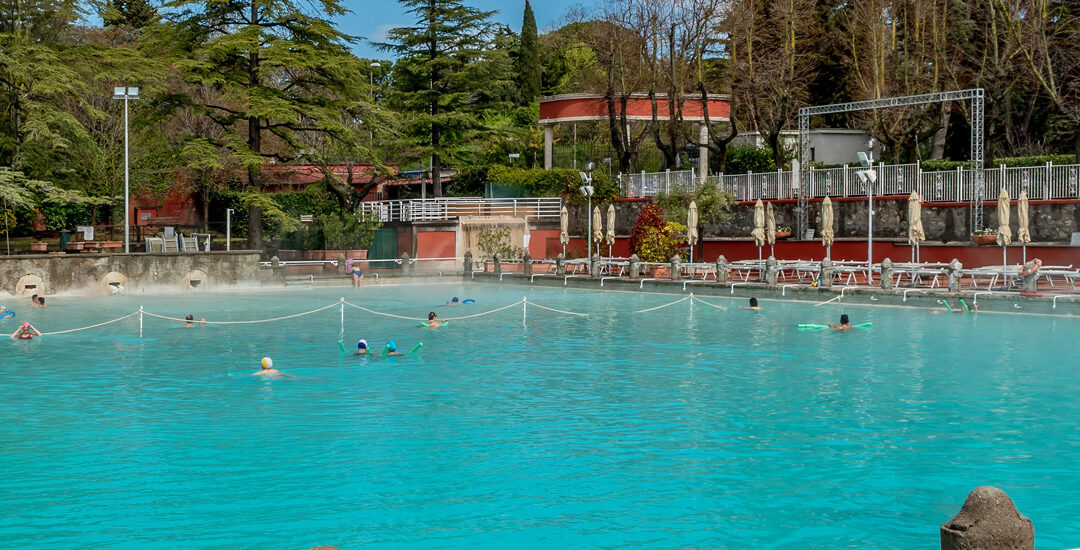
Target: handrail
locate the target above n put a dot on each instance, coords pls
(451, 208)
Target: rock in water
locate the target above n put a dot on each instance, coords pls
(988, 521)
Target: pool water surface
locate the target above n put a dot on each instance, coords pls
(687, 426)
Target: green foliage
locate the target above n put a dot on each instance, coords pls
(714, 204)
(554, 183)
(333, 232)
(65, 216)
(941, 165)
(131, 13)
(746, 158)
(528, 59)
(274, 217)
(496, 240)
(659, 244)
(652, 216)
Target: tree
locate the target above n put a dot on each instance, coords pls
(528, 60)
(445, 69)
(279, 75)
(132, 13)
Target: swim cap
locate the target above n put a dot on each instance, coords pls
(391, 346)
(25, 324)
(362, 344)
(454, 299)
(267, 363)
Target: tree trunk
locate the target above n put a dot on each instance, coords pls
(938, 150)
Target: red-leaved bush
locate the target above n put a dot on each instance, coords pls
(650, 216)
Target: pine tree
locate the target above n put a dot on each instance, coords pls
(278, 81)
(528, 61)
(133, 13)
(444, 64)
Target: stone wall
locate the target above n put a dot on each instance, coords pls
(1050, 222)
(101, 273)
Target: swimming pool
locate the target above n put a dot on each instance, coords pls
(673, 428)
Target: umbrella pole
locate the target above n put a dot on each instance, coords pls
(918, 259)
(1025, 252)
(1004, 266)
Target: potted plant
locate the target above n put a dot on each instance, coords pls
(40, 246)
(783, 232)
(983, 236)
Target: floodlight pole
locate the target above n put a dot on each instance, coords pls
(228, 228)
(125, 93)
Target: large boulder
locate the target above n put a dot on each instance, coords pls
(988, 521)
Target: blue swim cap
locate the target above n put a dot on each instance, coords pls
(362, 344)
(391, 345)
(454, 299)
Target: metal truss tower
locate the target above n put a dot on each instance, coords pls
(976, 95)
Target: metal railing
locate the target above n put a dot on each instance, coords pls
(1047, 182)
(449, 208)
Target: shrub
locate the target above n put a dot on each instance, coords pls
(553, 183)
(747, 158)
(497, 241)
(661, 243)
(714, 204)
(650, 216)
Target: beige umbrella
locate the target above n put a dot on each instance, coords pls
(759, 226)
(1022, 233)
(915, 233)
(564, 225)
(1004, 234)
(610, 228)
(827, 234)
(691, 227)
(770, 228)
(598, 226)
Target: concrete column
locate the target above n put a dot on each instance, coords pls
(954, 275)
(721, 270)
(468, 265)
(988, 520)
(341, 264)
(635, 267)
(526, 267)
(594, 266)
(886, 274)
(772, 270)
(675, 262)
(497, 261)
(560, 266)
(703, 152)
(549, 138)
(406, 267)
(825, 276)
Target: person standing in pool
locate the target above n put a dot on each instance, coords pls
(189, 321)
(845, 323)
(753, 304)
(26, 332)
(267, 369)
(361, 347)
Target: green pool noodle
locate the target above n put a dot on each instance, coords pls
(386, 350)
(963, 303)
(341, 345)
(863, 325)
(810, 326)
(947, 306)
(416, 347)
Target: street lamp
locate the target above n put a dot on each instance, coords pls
(588, 191)
(228, 228)
(126, 93)
(868, 177)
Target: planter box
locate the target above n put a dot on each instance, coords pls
(984, 239)
(40, 246)
(75, 246)
(293, 255)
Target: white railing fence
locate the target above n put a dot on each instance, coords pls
(456, 207)
(1048, 182)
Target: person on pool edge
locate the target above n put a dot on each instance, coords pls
(845, 323)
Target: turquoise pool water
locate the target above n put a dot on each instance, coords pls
(675, 428)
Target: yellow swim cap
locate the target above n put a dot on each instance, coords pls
(267, 363)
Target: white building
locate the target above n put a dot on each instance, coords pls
(827, 145)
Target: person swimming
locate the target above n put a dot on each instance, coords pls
(753, 304)
(454, 302)
(266, 368)
(361, 347)
(189, 321)
(391, 349)
(25, 332)
(845, 323)
(433, 320)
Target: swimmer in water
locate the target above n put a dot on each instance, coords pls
(454, 302)
(845, 323)
(41, 301)
(753, 304)
(34, 301)
(391, 349)
(433, 320)
(202, 321)
(189, 321)
(267, 369)
(361, 347)
(25, 332)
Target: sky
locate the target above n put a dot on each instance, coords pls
(372, 19)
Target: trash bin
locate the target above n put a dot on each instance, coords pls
(65, 238)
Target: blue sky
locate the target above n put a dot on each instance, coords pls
(373, 18)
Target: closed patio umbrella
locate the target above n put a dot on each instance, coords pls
(691, 227)
(770, 228)
(610, 228)
(564, 223)
(1022, 233)
(759, 227)
(915, 234)
(1004, 234)
(598, 227)
(827, 234)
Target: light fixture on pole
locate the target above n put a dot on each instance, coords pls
(228, 228)
(868, 177)
(126, 93)
(588, 191)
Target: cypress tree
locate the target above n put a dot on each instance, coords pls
(528, 61)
